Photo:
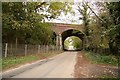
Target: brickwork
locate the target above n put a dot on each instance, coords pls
(59, 28)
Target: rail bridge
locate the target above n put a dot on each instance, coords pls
(63, 31)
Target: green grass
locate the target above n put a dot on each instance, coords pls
(108, 77)
(11, 62)
(101, 59)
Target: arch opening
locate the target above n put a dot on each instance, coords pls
(74, 34)
(73, 43)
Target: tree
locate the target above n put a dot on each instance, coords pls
(54, 9)
(23, 22)
(84, 11)
(114, 30)
(12, 15)
(108, 24)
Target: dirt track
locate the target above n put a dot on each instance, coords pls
(85, 69)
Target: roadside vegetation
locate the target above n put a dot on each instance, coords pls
(102, 30)
(0, 64)
(101, 58)
(15, 61)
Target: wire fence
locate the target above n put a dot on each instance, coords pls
(26, 49)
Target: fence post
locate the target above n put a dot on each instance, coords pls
(43, 48)
(47, 48)
(52, 48)
(11, 50)
(6, 48)
(25, 50)
(38, 49)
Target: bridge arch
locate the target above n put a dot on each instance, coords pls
(71, 32)
(63, 31)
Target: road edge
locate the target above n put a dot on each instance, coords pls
(22, 68)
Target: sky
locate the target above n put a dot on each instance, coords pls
(69, 18)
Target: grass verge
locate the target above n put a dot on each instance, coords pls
(102, 59)
(15, 61)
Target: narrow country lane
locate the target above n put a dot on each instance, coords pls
(61, 66)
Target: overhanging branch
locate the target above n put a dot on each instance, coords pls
(96, 14)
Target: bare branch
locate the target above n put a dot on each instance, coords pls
(96, 14)
(80, 10)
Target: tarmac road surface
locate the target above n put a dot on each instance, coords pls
(60, 66)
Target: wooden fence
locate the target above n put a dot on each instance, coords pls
(26, 49)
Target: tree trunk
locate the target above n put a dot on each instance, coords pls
(111, 46)
(16, 43)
